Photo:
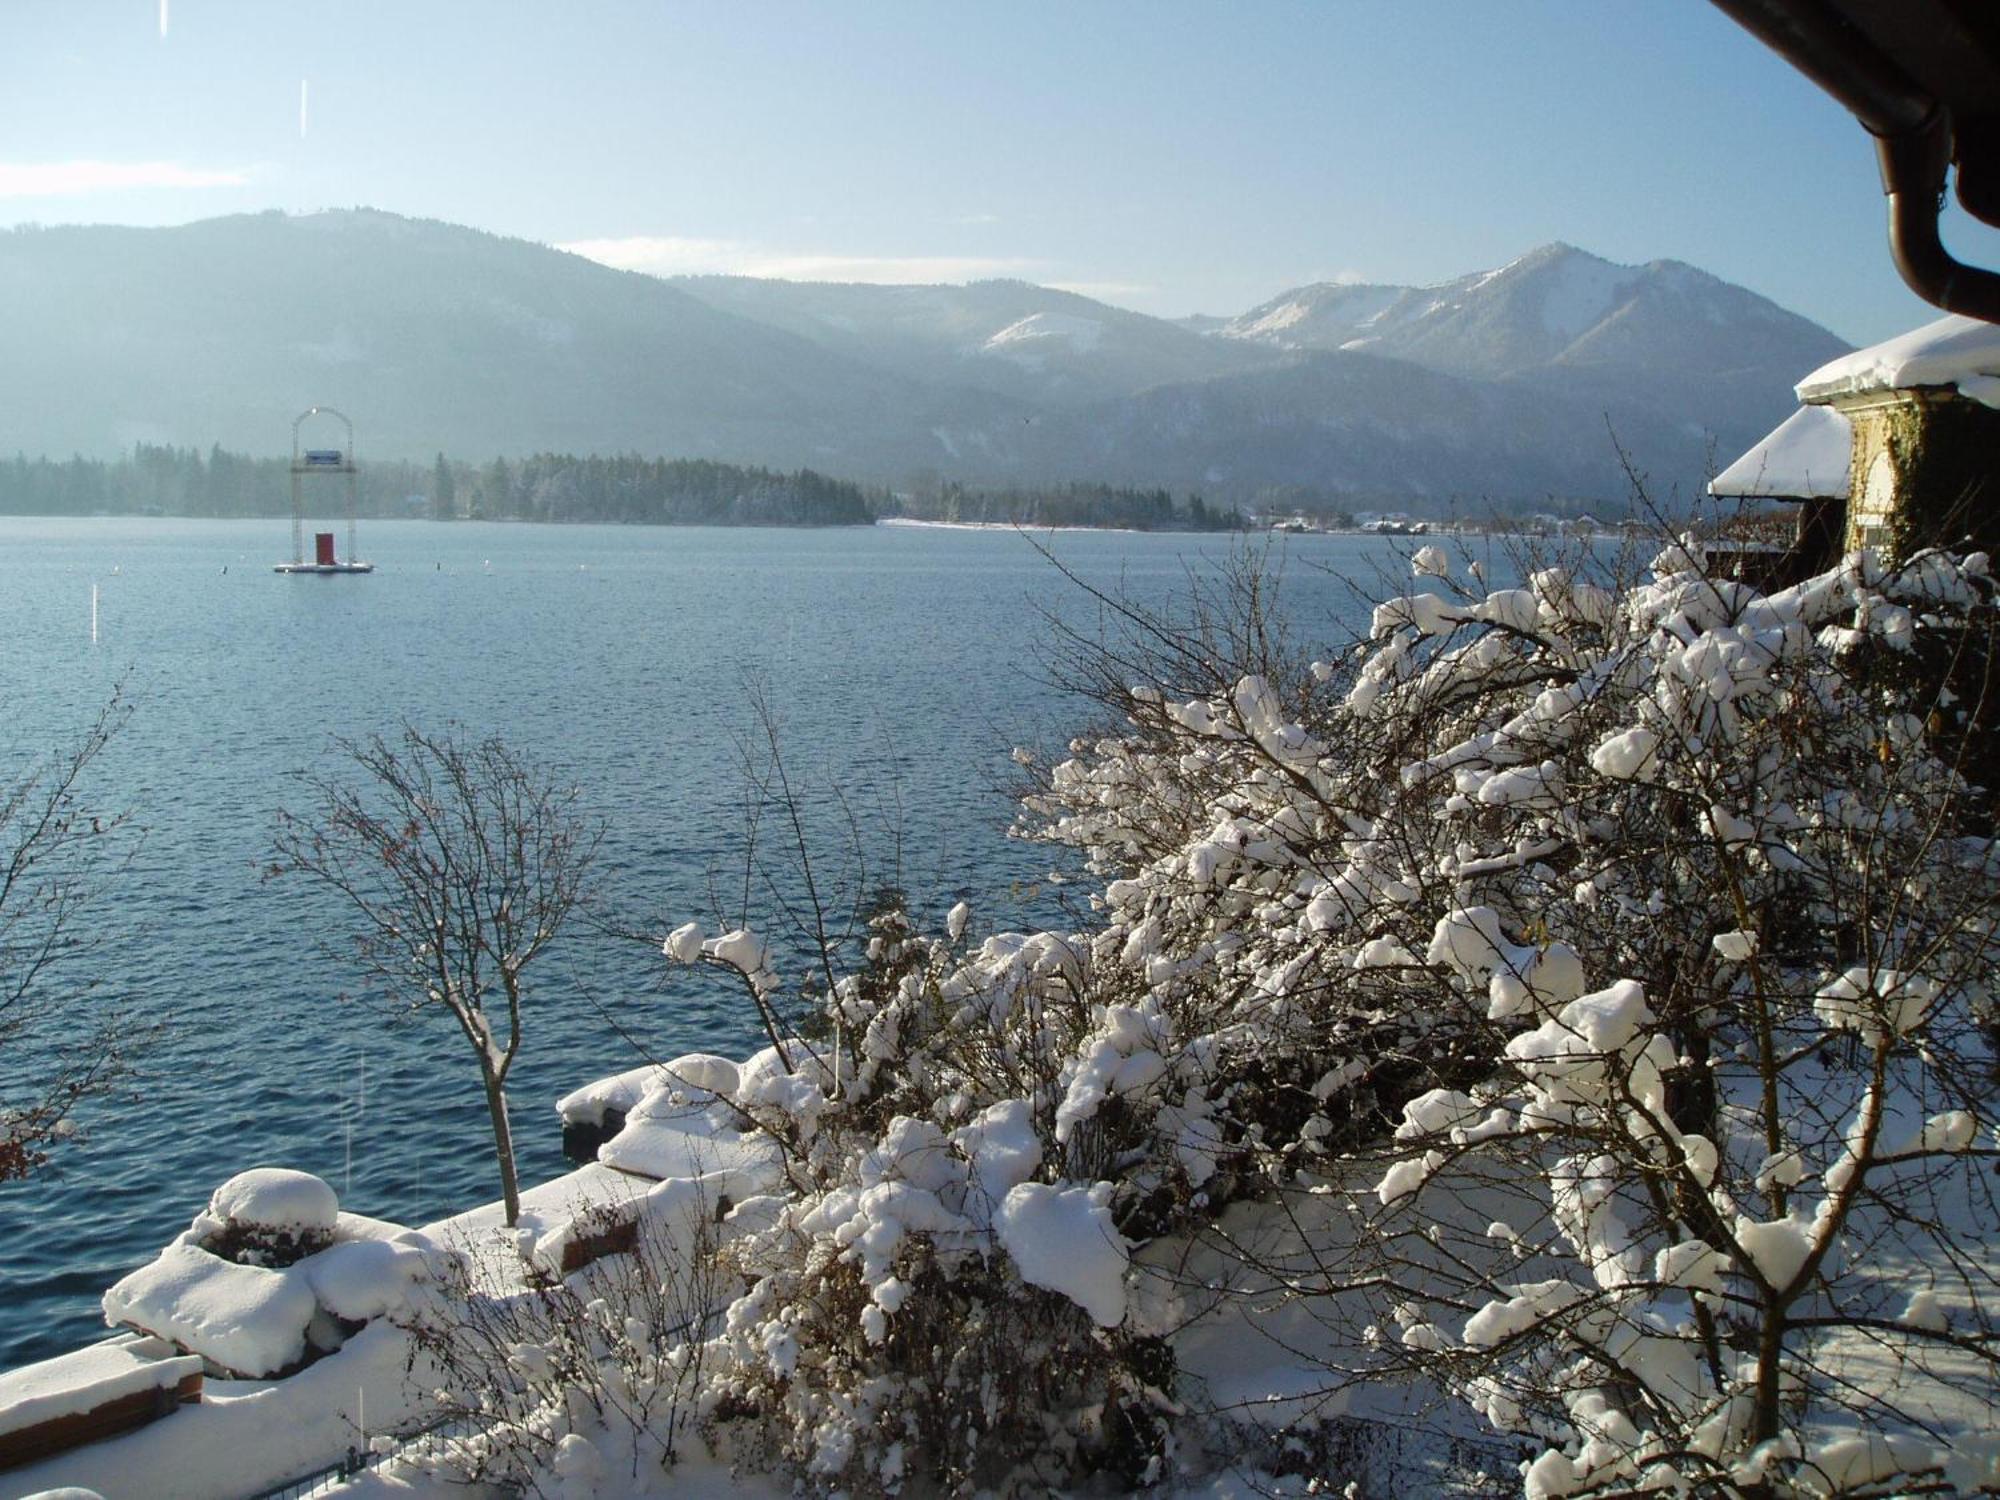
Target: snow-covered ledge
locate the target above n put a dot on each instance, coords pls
(1960, 352)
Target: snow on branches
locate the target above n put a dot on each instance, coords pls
(1661, 915)
(1682, 900)
(1614, 952)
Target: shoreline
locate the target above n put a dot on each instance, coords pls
(915, 523)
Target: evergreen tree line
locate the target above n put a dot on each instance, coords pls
(155, 479)
(168, 481)
(1074, 504)
(171, 481)
(654, 491)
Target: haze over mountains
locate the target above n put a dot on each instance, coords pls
(1501, 385)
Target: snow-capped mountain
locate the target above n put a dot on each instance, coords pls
(1556, 308)
(1010, 337)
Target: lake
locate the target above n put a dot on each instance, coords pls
(902, 664)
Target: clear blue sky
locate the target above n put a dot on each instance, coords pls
(1169, 157)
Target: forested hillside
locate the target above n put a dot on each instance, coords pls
(547, 487)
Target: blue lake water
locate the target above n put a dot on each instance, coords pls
(901, 662)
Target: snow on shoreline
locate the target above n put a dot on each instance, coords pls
(913, 523)
(247, 1435)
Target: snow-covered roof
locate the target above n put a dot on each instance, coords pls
(1958, 351)
(1806, 456)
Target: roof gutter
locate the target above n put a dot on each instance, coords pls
(1913, 140)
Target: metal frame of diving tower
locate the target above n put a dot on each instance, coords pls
(313, 461)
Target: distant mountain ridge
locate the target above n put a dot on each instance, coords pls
(437, 337)
(1014, 338)
(430, 336)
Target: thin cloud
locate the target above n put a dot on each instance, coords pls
(76, 179)
(669, 255)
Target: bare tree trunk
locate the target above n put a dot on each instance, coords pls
(503, 1145)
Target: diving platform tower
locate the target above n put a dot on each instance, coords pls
(321, 461)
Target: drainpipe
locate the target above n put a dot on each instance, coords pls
(1913, 167)
(1913, 140)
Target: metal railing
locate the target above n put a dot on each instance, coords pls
(358, 1461)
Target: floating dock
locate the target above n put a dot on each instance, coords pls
(324, 560)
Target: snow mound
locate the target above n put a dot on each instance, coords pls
(621, 1093)
(1062, 1239)
(243, 1319)
(705, 1070)
(276, 1198)
(670, 1135)
(270, 1275)
(365, 1279)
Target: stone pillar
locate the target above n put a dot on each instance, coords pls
(1926, 472)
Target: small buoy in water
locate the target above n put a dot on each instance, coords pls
(440, 567)
(225, 567)
(116, 569)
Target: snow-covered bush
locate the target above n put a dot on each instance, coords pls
(1707, 864)
(1657, 921)
(580, 1384)
(940, 1299)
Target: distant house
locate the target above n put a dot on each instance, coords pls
(1896, 447)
